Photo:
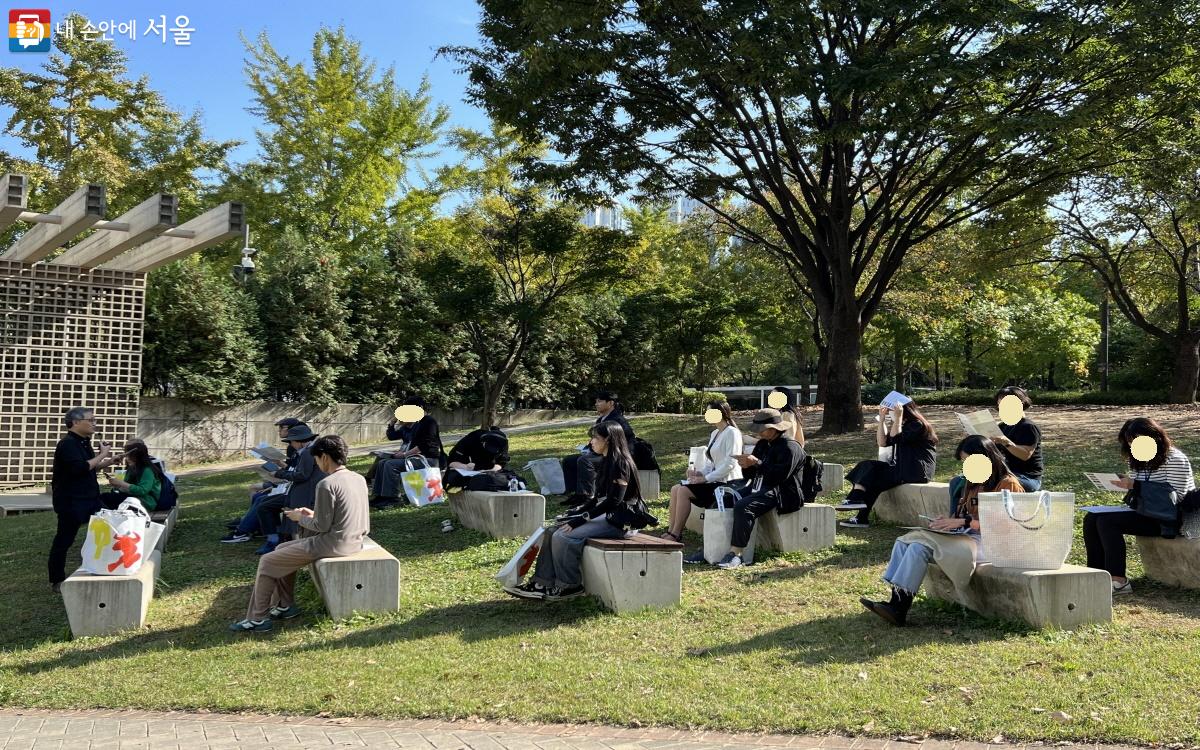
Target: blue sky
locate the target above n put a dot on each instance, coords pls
(207, 76)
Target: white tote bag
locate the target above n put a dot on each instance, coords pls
(717, 525)
(118, 540)
(1030, 530)
(515, 569)
(422, 485)
(549, 475)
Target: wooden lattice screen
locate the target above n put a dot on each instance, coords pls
(68, 337)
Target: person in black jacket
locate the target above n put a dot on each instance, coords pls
(74, 490)
(485, 449)
(558, 574)
(302, 478)
(580, 469)
(914, 456)
(774, 469)
(422, 438)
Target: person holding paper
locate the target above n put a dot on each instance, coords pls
(1104, 533)
(581, 469)
(914, 457)
(335, 526)
(423, 440)
(1021, 442)
(953, 542)
(143, 479)
(302, 482)
(720, 467)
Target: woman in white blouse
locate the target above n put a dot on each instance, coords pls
(1104, 533)
(720, 467)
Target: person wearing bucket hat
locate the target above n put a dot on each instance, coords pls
(242, 529)
(302, 477)
(773, 471)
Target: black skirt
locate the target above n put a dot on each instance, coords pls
(704, 495)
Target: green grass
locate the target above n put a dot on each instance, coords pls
(780, 646)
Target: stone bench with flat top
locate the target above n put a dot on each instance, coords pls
(1066, 598)
(1175, 562)
(367, 581)
(634, 573)
(500, 514)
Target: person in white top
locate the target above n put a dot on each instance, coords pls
(720, 467)
(1104, 533)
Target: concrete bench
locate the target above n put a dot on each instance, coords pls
(103, 605)
(813, 527)
(1065, 598)
(833, 479)
(648, 480)
(704, 522)
(500, 514)
(634, 573)
(15, 505)
(168, 518)
(1173, 561)
(367, 581)
(905, 504)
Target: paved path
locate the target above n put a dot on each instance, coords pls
(142, 730)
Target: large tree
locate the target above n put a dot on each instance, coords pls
(862, 129)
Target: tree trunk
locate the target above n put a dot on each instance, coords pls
(969, 358)
(491, 401)
(898, 365)
(1187, 369)
(1050, 385)
(843, 378)
(1104, 345)
(822, 375)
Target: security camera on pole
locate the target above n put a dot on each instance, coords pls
(245, 268)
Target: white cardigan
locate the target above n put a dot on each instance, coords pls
(722, 467)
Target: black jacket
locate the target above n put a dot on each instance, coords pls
(915, 457)
(427, 438)
(72, 482)
(781, 471)
(616, 415)
(304, 477)
(473, 449)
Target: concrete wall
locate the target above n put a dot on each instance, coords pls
(183, 432)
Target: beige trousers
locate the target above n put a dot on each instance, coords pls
(275, 584)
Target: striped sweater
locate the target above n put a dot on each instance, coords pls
(1177, 472)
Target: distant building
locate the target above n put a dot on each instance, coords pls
(682, 207)
(608, 217)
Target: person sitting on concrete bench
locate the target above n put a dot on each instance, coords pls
(558, 573)
(914, 456)
(774, 470)
(956, 552)
(1104, 533)
(1021, 442)
(581, 469)
(143, 480)
(302, 482)
(485, 449)
(244, 528)
(424, 440)
(334, 527)
(74, 491)
(720, 467)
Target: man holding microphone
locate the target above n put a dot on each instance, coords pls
(73, 485)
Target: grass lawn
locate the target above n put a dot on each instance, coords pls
(782, 645)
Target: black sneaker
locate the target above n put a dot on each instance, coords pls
(696, 558)
(235, 537)
(854, 523)
(528, 590)
(251, 626)
(558, 593)
(280, 613)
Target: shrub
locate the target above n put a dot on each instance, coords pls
(984, 396)
(694, 401)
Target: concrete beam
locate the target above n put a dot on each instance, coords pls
(211, 227)
(13, 196)
(82, 209)
(145, 221)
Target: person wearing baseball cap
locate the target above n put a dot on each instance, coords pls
(774, 469)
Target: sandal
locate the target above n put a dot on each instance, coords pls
(671, 536)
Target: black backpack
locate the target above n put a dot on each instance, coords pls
(168, 496)
(643, 455)
(491, 481)
(810, 478)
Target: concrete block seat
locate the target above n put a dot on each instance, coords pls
(103, 605)
(500, 514)
(650, 482)
(833, 479)
(634, 573)
(16, 504)
(168, 518)
(708, 523)
(905, 504)
(1065, 598)
(1175, 562)
(367, 581)
(813, 527)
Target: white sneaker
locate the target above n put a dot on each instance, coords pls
(1122, 588)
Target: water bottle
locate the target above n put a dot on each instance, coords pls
(514, 484)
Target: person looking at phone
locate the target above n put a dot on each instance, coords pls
(914, 455)
(334, 527)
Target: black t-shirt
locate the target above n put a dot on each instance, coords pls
(1024, 433)
(72, 480)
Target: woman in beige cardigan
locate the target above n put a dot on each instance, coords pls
(335, 527)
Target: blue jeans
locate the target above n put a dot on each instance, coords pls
(250, 523)
(560, 563)
(1030, 484)
(907, 567)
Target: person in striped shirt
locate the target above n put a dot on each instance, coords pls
(1104, 533)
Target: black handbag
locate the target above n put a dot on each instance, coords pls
(1157, 500)
(633, 515)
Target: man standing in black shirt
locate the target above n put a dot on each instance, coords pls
(74, 489)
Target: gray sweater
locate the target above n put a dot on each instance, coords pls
(341, 517)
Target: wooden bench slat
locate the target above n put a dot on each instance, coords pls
(635, 543)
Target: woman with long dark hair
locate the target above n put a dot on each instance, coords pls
(720, 467)
(791, 412)
(143, 479)
(1104, 533)
(914, 455)
(956, 555)
(558, 574)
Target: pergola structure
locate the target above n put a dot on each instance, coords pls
(71, 331)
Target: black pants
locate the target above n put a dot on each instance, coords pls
(1104, 538)
(747, 511)
(579, 473)
(270, 512)
(876, 477)
(71, 518)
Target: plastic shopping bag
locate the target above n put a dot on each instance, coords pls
(515, 569)
(549, 475)
(118, 540)
(422, 486)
